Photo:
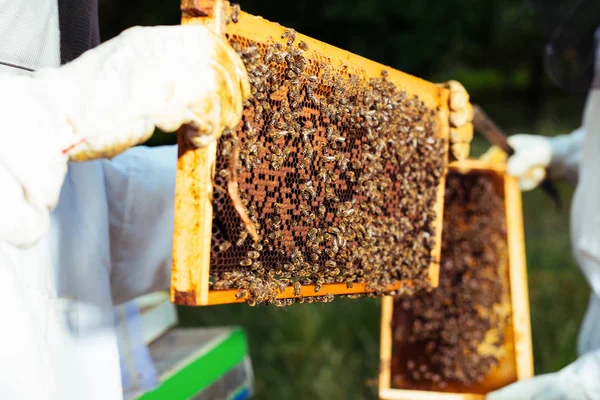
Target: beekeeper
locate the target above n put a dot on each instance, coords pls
(575, 157)
(80, 232)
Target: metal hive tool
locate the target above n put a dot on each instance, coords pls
(341, 168)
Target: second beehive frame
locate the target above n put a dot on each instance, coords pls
(517, 271)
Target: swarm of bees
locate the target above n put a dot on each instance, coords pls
(450, 323)
(337, 174)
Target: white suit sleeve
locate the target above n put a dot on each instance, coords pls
(140, 186)
(566, 155)
(581, 379)
(577, 381)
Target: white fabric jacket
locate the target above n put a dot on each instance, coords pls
(108, 238)
(576, 157)
(109, 241)
(581, 161)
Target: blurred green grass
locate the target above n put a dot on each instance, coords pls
(330, 351)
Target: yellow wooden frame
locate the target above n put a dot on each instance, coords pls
(517, 271)
(195, 168)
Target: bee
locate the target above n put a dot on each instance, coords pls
(289, 57)
(308, 190)
(224, 173)
(224, 246)
(275, 235)
(242, 238)
(253, 254)
(323, 174)
(297, 70)
(277, 163)
(274, 118)
(297, 288)
(302, 45)
(312, 233)
(291, 34)
(246, 262)
(256, 265)
(257, 114)
(307, 151)
(277, 134)
(269, 54)
(307, 133)
(330, 195)
(250, 131)
(317, 287)
(322, 211)
(351, 176)
(235, 13)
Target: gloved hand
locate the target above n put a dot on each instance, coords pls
(577, 381)
(109, 99)
(533, 155)
(461, 117)
(541, 387)
(116, 94)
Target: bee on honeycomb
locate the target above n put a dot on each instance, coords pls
(338, 175)
(450, 324)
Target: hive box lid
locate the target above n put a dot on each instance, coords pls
(202, 363)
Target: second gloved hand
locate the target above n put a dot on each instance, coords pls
(533, 155)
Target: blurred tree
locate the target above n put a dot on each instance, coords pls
(422, 37)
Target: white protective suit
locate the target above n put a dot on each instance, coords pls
(76, 238)
(575, 157)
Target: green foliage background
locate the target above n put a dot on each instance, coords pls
(330, 351)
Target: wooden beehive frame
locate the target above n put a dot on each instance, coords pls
(195, 170)
(521, 328)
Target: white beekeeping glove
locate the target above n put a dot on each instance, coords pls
(535, 154)
(577, 381)
(460, 118)
(532, 156)
(109, 99)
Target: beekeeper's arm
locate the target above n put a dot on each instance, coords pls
(109, 99)
(534, 154)
(577, 381)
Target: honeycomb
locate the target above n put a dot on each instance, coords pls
(339, 175)
(455, 333)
